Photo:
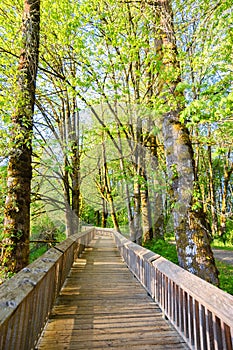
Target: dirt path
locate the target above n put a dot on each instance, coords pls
(225, 256)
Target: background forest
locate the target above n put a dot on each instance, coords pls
(110, 76)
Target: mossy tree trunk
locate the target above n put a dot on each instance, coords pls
(104, 215)
(147, 228)
(17, 206)
(190, 224)
(104, 186)
(212, 192)
(158, 219)
(228, 170)
(75, 138)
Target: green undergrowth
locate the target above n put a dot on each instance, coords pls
(168, 251)
(217, 244)
(35, 254)
(37, 249)
(225, 276)
(164, 248)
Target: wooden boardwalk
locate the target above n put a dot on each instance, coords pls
(103, 306)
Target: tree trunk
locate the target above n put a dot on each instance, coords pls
(76, 193)
(147, 229)
(17, 205)
(67, 199)
(97, 218)
(228, 170)
(129, 211)
(214, 219)
(158, 221)
(137, 212)
(74, 139)
(113, 211)
(109, 193)
(104, 215)
(127, 191)
(69, 140)
(190, 224)
(104, 187)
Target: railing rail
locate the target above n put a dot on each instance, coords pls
(27, 298)
(202, 313)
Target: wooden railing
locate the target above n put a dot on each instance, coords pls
(202, 313)
(27, 298)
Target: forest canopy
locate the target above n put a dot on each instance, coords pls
(132, 120)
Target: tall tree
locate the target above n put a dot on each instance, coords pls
(190, 225)
(17, 206)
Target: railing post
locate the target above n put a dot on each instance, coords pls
(202, 313)
(27, 298)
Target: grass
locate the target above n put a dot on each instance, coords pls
(36, 253)
(168, 251)
(164, 248)
(217, 244)
(225, 276)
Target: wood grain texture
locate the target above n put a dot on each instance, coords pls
(103, 306)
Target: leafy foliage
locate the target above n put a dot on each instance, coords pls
(163, 248)
(102, 61)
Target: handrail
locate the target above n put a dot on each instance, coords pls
(201, 313)
(27, 298)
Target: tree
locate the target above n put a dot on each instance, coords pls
(190, 225)
(144, 70)
(19, 173)
(104, 185)
(205, 50)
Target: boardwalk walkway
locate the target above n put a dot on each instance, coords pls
(103, 306)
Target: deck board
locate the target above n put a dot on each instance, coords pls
(102, 305)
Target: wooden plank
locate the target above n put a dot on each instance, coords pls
(103, 306)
